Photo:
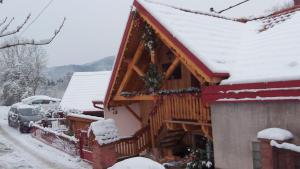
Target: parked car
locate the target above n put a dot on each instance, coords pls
(48, 105)
(20, 115)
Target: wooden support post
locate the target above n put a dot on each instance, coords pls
(138, 71)
(129, 72)
(172, 67)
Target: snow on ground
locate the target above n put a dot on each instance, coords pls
(137, 163)
(21, 151)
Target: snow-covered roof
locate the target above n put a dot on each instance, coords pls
(249, 9)
(275, 134)
(83, 88)
(105, 131)
(261, 50)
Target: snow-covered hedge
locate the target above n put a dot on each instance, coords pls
(137, 163)
(105, 131)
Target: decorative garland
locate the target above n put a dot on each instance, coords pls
(164, 92)
(149, 37)
(153, 78)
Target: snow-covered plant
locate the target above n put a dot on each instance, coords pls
(202, 159)
(149, 38)
(153, 78)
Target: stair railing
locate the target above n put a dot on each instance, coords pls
(132, 146)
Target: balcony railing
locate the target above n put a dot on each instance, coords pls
(179, 108)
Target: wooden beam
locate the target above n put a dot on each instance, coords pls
(136, 57)
(134, 113)
(134, 98)
(188, 63)
(172, 67)
(138, 71)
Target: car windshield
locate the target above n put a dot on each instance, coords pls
(28, 112)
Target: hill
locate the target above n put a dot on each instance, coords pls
(99, 65)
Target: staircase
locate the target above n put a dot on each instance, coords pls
(175, 115)
(170, 138)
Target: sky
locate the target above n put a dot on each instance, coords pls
(93, 28)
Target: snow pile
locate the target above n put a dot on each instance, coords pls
(83, 88)
(286, 146)
(137, 163)
(275, 134)
(105, 131)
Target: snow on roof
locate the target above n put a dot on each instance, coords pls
(250, 9)
(105, 131)
(137, 163)
(256, 51)
(275, 134)
(83, 116)
(83, 88)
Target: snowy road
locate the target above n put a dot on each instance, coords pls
(21, 151)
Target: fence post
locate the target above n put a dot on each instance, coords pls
(104, 156)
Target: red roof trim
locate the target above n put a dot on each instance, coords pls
(214, 93)
(186, 51)
(118, 59)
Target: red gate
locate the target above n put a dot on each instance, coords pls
(85, 146)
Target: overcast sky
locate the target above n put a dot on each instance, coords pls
(93, 29)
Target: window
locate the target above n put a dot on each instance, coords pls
(176, 73)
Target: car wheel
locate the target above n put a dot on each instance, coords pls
(21, 129)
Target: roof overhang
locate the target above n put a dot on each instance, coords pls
(161, 29)
(253, 92)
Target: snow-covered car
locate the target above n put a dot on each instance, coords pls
(40, 100)
(20, 115)
(48, 104)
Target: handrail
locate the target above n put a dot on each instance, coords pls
(134, 145)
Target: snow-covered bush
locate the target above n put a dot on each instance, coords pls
(202, 159)
(137, 163)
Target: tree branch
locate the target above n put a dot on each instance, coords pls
(33, 42)
(3, 22)
(2, 34)
(6, 26)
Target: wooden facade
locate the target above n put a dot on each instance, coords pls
(169, 118)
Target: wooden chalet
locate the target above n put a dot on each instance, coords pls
(203, 59)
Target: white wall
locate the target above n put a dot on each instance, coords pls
(127, 124)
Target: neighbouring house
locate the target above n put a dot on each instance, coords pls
(85, 93)
(192, 72)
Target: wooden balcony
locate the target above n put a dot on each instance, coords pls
(185, 111)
